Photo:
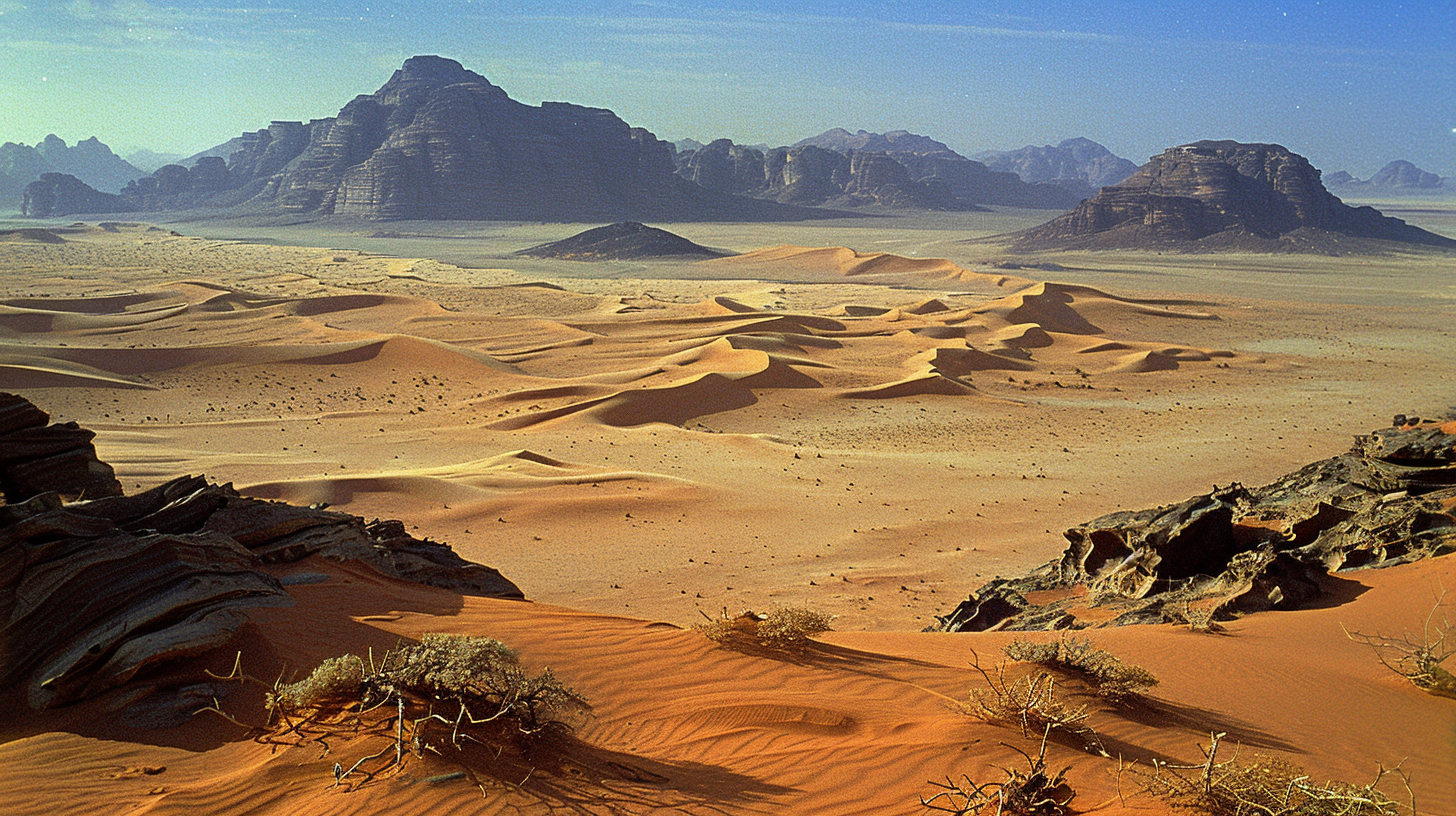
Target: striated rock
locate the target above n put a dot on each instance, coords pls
(1390, 500)
(98, 592)
(619, 242)
(39, 458)
(1222, 195)
(1079, 164)
(842, 169)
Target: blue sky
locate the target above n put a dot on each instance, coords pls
(1349, 84)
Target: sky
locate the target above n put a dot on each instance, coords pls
(1350, 84)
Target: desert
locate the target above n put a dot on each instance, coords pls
(463, 450)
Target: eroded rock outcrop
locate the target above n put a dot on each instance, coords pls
(61, 194)
(98, 589)
(1390, 500)
(1222, 195)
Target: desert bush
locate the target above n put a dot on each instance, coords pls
(1032, 704)
(784, 627)
(1420, 658)
(1266, 786)
(443, 692)
(1032, 792)
(1111, 677)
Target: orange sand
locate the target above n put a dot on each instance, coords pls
(629, 453)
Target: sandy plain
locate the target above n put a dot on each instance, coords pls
(639, 443)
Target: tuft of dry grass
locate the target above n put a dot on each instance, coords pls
(440, 695)
(1420, 658)
(1267, 786)
(783, 627)
(1032, 704)
(1109, 675)
(1033, 792)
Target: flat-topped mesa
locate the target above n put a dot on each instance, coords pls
(1215, 195)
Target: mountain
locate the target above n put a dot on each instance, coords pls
(1396, 178)
(89, 160)
(842, 169)
(1079, 163)
(896, 141)
(1222, 195)
(438, 141)
(626, 241)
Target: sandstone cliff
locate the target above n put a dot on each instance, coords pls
(1222, 195)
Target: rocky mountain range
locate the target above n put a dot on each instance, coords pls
(1222, 195)
(1397, 178)
(436, 141)
(1079, 164)
(842, 169)
(89, 160)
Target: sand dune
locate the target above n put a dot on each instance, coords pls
(635, 453)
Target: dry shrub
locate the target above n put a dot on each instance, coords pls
(784, 627)
(1030, 703)
(438, 695)
(1111, 677)
(1419, 658)
(1032, 792)
(1267, 786)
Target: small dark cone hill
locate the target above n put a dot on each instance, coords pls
(624, 241)
(1224, 196)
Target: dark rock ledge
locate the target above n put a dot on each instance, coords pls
(98, 588)
(1390, 500)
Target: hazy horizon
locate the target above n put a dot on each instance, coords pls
(1352, 86)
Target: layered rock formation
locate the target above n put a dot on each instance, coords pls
(626, 241)
(440, 142)
(1079, 164)
(1390, 500)
(100, 590)
(840, 169)
(1222, 195)
(61, 194)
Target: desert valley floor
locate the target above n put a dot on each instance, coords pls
(816, 422)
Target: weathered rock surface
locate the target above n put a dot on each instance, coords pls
(1222, 195)
(440, 142)
(100, 591)
(60, 194)
(1079, 164)
(842, 169)
(1390, 500)
(628, 240)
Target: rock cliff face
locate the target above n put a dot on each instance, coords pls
(842, 169)
(1079, 164)
(60, 194)
(1212, 195)
(440, 142)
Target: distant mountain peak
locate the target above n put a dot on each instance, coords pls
(1076, 162)
(895, 141)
